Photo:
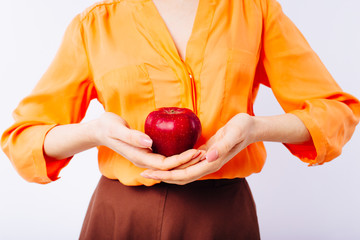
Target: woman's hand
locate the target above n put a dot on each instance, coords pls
(112, 131)
(229, 140)
(224, 145)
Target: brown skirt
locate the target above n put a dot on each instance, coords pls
(210, 209)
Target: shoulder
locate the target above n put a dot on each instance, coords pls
(255, 5)
(98, 7)
(268, 7)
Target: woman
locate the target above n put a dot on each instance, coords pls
(209, 56)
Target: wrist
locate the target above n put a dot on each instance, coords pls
(91, 133)
(285, 128)
(259, 129)
(248, 125)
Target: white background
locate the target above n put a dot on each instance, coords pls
(293, 200)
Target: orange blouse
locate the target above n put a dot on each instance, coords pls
(121, 53)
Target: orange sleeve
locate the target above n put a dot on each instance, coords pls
(304, 87)
(61, 97)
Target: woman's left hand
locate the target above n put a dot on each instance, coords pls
(228, 141)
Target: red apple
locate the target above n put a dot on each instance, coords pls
(173, 130)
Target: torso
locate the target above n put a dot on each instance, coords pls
(179, 17)
(133, 53)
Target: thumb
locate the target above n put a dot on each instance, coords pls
(133, 137)
(212, 155)
(220, 148)
(139, 139)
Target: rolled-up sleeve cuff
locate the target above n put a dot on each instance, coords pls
(313, 152)
(47, 169)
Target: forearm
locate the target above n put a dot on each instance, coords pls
(66, 140)
(285, 128)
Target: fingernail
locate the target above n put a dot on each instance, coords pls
(212, 155)
(203, 158)
(146, 142)
(196, 154)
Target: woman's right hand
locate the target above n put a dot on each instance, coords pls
(112, 131)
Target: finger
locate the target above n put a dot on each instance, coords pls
(189, 174)
(132, 153)
(212, 155)
(145, 158)
(180, 176)
(132, 137)
(181, 159)
(222, 147)
(196, 158)
(148, 159)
